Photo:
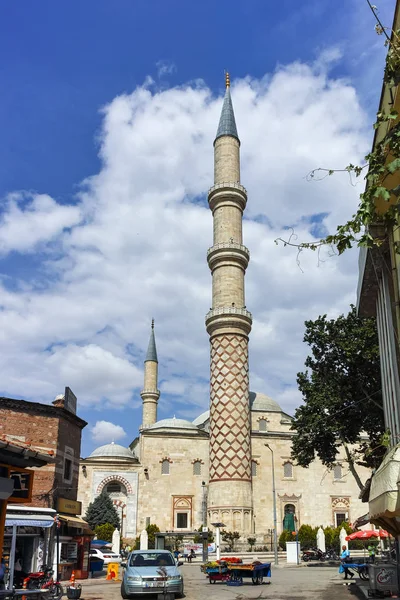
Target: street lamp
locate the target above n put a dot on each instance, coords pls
(274, 500)
(204, 504)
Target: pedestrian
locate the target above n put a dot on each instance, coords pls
(371, 552)
(344, 557)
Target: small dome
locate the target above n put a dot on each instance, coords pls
(112, 449)
(262, 402)
(202, 418)
(172, 423)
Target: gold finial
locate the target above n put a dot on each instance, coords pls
(227, 79)
(152, 323)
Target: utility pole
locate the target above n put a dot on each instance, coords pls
(274, 501)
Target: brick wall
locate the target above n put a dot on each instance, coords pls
(47, 428)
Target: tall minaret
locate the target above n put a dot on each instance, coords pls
(229, 323)
(150, 394)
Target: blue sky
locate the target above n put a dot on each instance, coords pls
(66, 70)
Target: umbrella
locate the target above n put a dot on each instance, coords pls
(367, 534)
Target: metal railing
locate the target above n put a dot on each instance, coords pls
(221, 245)
(230, 184)
(228, 310)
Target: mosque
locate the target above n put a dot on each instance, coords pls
(180, 474)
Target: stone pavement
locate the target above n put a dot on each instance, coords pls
(287, 583)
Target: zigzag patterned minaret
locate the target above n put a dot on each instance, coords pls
(229, 324)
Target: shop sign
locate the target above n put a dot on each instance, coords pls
(69, 507)
(23, 483)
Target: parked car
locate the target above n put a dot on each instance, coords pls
(105, 554)
(151, 572)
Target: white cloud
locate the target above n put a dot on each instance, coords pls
(165, 67)
(106, 432)
(29, 219)
(134, 246)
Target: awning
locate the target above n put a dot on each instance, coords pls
(33, 520)
(74, 521)
(384, 498)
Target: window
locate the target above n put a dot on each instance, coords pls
(253, 468)
(114, 487)
(288, 470)
(197, 467)
(181, 520)
(165, 467)
(67, 469)
(148, 521)
(262, 425)
(340, 518)
(337, 472)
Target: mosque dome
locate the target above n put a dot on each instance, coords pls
(263, 402)
(173, 423)
(258, 401)
(112, 451)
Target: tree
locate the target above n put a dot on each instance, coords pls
(251, 541)
(104, 532)
(230, 538)
(101, 511)
(342, 395)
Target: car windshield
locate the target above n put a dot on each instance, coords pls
(151, 559)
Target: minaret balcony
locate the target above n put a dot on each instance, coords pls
(228, 192)
(228, 253)
(150, 394)
(223, 318)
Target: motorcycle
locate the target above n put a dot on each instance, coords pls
(313, 554)
(43, 580)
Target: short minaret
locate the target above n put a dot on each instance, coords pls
(150, 394)
(228, 324)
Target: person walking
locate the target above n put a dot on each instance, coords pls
(344, 557)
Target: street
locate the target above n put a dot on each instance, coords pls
(287, 583)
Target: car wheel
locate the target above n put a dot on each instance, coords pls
(123, 592)
(181, 594)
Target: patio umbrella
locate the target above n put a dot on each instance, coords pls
(367, 534)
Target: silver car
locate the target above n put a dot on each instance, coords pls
(151, 572)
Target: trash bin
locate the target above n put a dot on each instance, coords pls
(382, 579)
(96, 564)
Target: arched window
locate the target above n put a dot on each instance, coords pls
(262, 425)
(114, 488)
(288, 470)
(253, 468)
(165, 467)
(197, 467)
(337, 472)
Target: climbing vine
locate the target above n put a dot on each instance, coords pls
(381, 163)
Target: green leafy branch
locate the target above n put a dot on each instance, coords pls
(383, 161)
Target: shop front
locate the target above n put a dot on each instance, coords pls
(28, 538)
(74, 537)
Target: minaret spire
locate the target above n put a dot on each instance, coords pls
(228, 324)
(150, 394)
(227, 123)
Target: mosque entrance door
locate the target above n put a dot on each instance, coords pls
(290, 517)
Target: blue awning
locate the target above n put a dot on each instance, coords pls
(29, 521)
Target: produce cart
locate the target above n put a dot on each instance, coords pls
(217, 574)
(361, 568)
(256, 572)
